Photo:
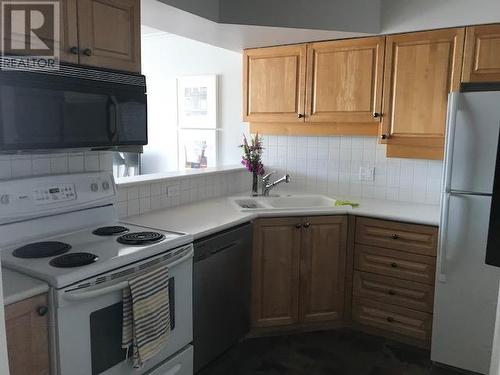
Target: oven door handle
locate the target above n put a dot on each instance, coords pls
(78, 296)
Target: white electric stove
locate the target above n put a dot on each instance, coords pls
(64, 230)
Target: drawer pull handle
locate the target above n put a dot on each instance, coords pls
(395, 236)
(307, 225)
(390, 319)
(394, 265)
(392, 293)
(298, 226)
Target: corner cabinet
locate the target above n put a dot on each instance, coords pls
(298, 270)
(26, 325)
(316, 89)
(273, 84)
(482, 54)
(420, 70)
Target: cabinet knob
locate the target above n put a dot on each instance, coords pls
(74, 50)
(298, 226)
(87, 52)
(390, 319)
(42, 310)
(377, 114)
(383, 136)
(392, 293)
(300, 115)
(395, 236)
(307, 225)
(394, 265)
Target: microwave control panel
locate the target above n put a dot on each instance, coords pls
(55, 193)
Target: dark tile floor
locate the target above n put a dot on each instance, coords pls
(339, 352)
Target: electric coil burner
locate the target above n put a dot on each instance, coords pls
(73, 260)
(41, 249)
(140, 238)
(110, 231)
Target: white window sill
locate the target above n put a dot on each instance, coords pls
(155, 177)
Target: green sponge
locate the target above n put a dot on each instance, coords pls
(346, 203)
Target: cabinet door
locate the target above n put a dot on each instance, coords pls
(420, 70)
(275, 272)
(109, 33)
(274, 83)
(482, 54)
(322, 268)
(68, 36)
(27, 337)
(344, 80)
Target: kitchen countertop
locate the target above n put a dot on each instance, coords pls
(211, 216)
(17, 287)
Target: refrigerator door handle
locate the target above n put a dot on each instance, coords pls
(451, 117)
(467, 192)
(443, 230)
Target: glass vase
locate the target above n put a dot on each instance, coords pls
(255, 184)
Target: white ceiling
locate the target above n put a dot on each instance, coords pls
(392, 16)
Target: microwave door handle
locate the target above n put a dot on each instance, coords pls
(113, 117)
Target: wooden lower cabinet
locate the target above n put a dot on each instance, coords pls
(393, 279)
(26, 324)
(322, 268)
(393, 319)
(298, 270)
(275, 272)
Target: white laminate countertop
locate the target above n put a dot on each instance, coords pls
(17, 287)
(211, 216)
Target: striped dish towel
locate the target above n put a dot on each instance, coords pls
(146, 315)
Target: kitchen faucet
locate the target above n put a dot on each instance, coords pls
(267, 186)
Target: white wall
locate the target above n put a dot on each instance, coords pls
(411, 15)
(166, 57)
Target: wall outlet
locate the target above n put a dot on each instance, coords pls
(366, 173)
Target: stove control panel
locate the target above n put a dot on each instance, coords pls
(54, 193)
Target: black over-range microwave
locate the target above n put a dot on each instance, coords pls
(72, 107)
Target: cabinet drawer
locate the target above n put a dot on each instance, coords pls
(393, 291)
(395, 319)
(395, 263)
(419, 239)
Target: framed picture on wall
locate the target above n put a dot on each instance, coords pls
(197, 101)
(197, 108)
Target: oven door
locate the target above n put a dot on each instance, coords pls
(89, 324)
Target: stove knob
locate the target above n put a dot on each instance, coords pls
(4, 199)
(105, 185)
(94, 187)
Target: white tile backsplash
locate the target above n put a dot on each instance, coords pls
(145, 197)
(27, 165)
(331, 165)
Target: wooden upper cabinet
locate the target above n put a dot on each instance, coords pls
(275, 272)
(109, 33)
(26, 325)
(482, 54)
(344, 80)
(68, 33)
(420, 70)
(322, 268)
(273, 84)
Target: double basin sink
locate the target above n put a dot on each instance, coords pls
(286, 202)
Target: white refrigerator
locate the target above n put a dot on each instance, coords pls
(466, 288)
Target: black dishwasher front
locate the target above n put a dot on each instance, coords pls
(221, 306)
